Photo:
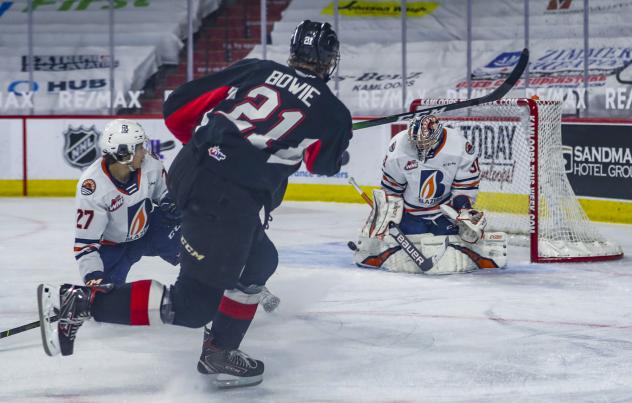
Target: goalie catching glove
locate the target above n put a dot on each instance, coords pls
(471, 223)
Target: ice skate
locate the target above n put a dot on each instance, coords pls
(232, 368)
(72, 304)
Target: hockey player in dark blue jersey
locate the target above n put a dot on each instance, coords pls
(245, 129)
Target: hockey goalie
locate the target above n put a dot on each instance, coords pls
(429, 184)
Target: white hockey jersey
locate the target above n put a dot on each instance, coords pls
(109, 213)
(451, 170)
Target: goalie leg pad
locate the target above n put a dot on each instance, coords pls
(386, 208)
(460, 257)
(491, 250)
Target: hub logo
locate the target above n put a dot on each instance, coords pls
(20, 87)
(77, 85)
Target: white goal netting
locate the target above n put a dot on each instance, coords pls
(524, 188)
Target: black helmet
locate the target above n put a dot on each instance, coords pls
(315, 45)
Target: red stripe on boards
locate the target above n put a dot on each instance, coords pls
(235, 310)
(139, 301)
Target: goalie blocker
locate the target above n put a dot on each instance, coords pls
(472, 249)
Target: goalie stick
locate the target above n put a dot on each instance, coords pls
(24, 328)
(402, 240)
(497, 94)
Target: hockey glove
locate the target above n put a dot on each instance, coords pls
(471, 223)
(169, 212)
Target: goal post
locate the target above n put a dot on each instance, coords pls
(524, 189)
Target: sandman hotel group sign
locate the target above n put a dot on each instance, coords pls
(598, 159)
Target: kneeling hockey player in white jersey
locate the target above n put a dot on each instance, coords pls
(429, 184)
(123, 209)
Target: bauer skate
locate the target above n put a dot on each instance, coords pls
(71, 303)
(232, 368)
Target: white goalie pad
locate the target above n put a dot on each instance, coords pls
(386, 208)
(460, 257)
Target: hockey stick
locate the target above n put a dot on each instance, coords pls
(24, 328)
(402, 240)
(497, 94)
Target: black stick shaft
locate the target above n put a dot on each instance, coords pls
(23, 328)
(495, 95)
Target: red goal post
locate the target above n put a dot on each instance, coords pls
(524, 189)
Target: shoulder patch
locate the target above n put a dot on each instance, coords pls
(469, 148)
(88, 187)
(391, 148)
(412, 164)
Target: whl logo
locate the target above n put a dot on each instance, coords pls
(559, 5)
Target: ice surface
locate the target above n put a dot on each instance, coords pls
(533, 333)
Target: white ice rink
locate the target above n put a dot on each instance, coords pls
(530, 333)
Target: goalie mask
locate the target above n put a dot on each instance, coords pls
(121, 138)
(424, 132)
(314, 45)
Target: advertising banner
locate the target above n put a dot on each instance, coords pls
(73, 81)
(363, 160)
(11, 146)
(63, 148)
(598, 159)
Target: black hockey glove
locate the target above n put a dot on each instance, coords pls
(169, 212)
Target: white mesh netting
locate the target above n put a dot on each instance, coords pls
(500, 134)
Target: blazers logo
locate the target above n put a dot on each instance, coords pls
(431, 188)
(81, 146)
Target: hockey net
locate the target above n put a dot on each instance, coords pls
(524, 189)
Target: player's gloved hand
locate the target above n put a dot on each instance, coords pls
(93, 279)
(169, 211)
(471, 224)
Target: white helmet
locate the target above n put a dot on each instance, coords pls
(120, 139)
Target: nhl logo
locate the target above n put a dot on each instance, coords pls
(81, 146)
